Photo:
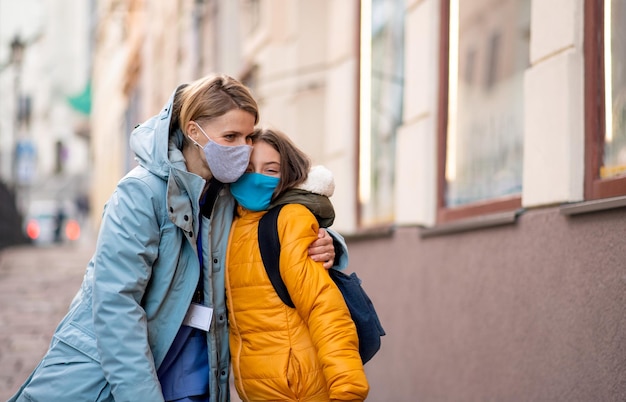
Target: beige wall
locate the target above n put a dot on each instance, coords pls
(416, 152)
(554, 121)
(119, 36)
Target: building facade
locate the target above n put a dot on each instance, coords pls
(477, 148)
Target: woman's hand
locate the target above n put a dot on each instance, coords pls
(323, 249)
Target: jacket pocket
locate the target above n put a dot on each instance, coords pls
(294, 374)
(78, 333)
(79, 339)
(75, 376)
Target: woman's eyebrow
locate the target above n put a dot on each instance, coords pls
(235, 132)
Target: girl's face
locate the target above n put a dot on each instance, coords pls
(264, 160)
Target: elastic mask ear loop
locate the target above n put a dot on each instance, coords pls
(205, 134)
(196, 142)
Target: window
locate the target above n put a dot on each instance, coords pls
(382, 82)
(485, 52)
(605, 98)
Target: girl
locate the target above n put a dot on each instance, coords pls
(278, 353)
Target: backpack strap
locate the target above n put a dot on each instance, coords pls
(269, 243)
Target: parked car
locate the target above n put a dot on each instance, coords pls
(50, 222)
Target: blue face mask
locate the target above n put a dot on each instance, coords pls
(254, 191)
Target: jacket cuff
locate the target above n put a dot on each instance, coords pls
(341, 250)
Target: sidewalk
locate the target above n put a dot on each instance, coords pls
(37, 285)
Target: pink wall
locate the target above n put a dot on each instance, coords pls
(529, 311)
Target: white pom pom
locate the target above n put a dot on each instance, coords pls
(319, 181)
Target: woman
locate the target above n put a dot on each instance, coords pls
(309, 353)
(149, 320)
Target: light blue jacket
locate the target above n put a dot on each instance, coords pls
(139, 284)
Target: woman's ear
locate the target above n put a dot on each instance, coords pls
(191, 129)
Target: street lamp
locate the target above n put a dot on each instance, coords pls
(16, 57)
(21, 148)
(17, 51)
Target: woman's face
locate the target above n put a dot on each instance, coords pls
(232, 128)
(264, 160)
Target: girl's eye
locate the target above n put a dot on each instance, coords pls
(229, 137)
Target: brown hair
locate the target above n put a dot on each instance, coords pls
(294, 164)
(208, 98)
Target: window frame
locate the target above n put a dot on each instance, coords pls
(444, 213)
(596, 187)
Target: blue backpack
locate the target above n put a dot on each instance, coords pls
(362, 310)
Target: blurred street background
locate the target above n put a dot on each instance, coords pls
(478, 149)
(36, 287)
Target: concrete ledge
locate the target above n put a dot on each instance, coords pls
(370, 233)
(592, 206)
(481, 222)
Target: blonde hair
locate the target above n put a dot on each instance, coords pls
(208, 98)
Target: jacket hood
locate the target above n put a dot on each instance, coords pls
(153, 147)
(314, 194)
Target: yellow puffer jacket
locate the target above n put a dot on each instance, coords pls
(309, 353)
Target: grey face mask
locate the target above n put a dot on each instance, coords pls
(227, 162)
